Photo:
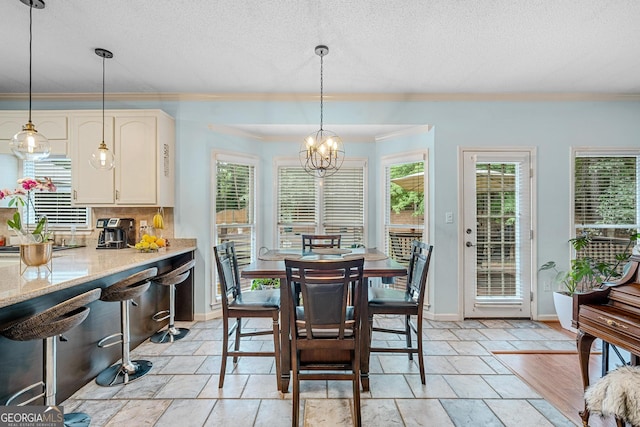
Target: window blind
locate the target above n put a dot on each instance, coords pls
(235, 204)
(343, 205)
(297, 195)
(234, 207)
(57, 205)
(333, 205)
(606, 192)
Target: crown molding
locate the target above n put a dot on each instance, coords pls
(339, 97)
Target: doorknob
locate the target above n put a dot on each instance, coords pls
(468, 244)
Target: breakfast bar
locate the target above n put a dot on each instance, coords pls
(73, 272)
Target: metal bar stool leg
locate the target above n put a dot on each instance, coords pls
(124, 292)
(128, 370)
(48, 326)
(171, 279)
(172, 333)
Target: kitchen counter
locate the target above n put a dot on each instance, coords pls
(75, 271)
(73, 267)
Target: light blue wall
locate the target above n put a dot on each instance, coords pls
(551, 127)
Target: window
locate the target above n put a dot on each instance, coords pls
(403, 208)
(332, 205)
(606, 199)
(57, 205)
(234, 207)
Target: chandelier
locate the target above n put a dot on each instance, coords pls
(28, 144)
(321, 153)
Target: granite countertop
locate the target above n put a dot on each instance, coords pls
(72, 267)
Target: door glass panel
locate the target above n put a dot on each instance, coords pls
(496, 217)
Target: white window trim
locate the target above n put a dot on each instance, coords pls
(352, 162)
(591, 151)
(392, 159)
(82, 230)
(239, 158)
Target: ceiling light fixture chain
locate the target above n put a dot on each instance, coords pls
(322, 152)
(322, 53)
(28, 144)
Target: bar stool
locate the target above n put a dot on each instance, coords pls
(125, 291)
(171, 279)
(47, 325)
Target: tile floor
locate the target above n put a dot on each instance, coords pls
(466, 384)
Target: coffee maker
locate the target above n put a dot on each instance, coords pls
(116, 233)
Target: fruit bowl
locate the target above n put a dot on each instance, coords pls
(150, 243)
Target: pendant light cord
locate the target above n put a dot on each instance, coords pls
(321, 90)
(30, 42)
(103, 60)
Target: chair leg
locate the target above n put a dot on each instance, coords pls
(236, 345)
(276, 347)
(420, 353)
(295, 416)
(407, 328)
(225, 344)
(357, 413)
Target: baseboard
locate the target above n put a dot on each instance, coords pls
(203, 317)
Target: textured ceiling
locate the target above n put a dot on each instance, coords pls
(376, 46)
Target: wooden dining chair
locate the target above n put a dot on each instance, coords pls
(407, 302)
(238, 305)
(325, 332)
(310, 241)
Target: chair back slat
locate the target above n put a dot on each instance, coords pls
(227, 265)
(311, 241)
(418, 269)
(324, 286)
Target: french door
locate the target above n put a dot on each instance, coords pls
(496, 235)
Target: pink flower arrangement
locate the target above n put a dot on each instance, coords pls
(18, 196)
(26, 185)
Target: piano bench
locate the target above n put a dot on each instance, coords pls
(617, 394)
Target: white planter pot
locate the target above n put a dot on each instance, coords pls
(564, 310)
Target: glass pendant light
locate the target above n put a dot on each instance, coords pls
(102, 158)
(321, 153)
(28, 144)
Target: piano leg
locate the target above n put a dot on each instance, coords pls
(584, 342)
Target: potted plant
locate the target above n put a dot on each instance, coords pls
(585, 273)
(260, 284)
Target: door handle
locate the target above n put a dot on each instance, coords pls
(468, 244)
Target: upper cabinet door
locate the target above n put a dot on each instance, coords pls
(52, 124)
(135, 142)
(91, 186)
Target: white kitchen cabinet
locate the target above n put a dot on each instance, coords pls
(90, 186)
(52, 124)
(143, 143)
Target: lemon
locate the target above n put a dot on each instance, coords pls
(153, 246)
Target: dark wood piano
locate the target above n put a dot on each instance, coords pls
(612, 314)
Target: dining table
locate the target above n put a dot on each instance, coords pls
(270, 264)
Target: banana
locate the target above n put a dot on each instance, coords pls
(158, 220)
